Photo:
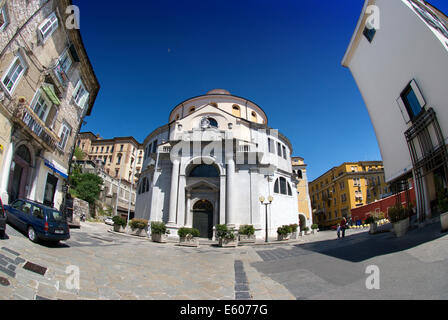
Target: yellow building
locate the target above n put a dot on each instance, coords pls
(303, 196)
(345, 187)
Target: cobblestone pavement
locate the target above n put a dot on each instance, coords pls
(115, 266)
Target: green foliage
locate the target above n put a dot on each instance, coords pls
(186, 232)
(223, 232)
(398, 213)
(158, 227)
(85, 186)
(120, 221)
(79, 154)
(370, 220)
(294, 227)
(315, 227)
(284, 230)
(138, 223)
(248, 230)
(306, 229)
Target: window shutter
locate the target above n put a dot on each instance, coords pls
(403, 110)
(418, 93)
(78, 85)
(74, 53)
(84, 100)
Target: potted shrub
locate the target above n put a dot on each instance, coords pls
(226, 236)
(294, 231)
(306, 230)
(159, 233)
(314, 227)
(284, 232)
(443, 206)
(246, 234)
(373, 224)
(119, 224)
(138, 227)
(399, 216)
(188, 237)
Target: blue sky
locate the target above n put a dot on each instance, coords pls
(284, 55)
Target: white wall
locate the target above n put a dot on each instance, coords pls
(404, 48)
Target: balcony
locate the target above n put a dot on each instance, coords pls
(25, 117)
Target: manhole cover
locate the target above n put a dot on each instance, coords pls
(35, 268)
(4, 282)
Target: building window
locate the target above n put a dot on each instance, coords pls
(279, 149)
(81, 95)
(192, 109)
(204, 171)
(343, 198)
(254, 116)
(411, 101)
(14, 73)
(369, 33)
(64, 64)
(281, 186)
(3, 18)
(213, 122)
(154, 147)
(47, 27)
(236, 111)
(64, 134)
(284, 152)
(41, 105)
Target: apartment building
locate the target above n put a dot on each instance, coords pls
(348, 186)
(122, 157)
(47, 87)
(303, 196)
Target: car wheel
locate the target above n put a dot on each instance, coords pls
(32, 234)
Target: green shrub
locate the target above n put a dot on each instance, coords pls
(223, 232)
(306, 229)
(248, 230)
(120, 221)
(284, 230)
(184, 232)
(158, 227)
(315, 227)
(138, 223)
(398, 213)
(370, 220)
(294, 227)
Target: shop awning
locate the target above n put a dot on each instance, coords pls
(59, 171)
(49, 91)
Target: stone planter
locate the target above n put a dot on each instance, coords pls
(444, 221)
(245, 239)
(189, 242)
(314, 231)
(118, 228)
(373, 228)
(401, 227)
(228, 243)
(137, 232)
(283, 237)
(160, 238)
(295, 235)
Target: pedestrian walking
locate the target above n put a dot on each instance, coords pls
(339, 231)
(343, 226)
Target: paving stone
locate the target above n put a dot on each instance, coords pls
(11, 251)
(8, 272)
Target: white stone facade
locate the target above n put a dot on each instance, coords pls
(210, 165)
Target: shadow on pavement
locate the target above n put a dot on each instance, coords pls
(360, 247)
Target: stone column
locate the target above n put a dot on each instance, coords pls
(7, 161)
(222, 200)
(230, 219)
(189, 214)
(181, 201)
(173, 193)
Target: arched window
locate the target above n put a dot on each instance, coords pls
(192, 109)
(299, 174)
(213, 122)
(204, 171)
(177, 117)
(24, 153)
(147, 184)
(282, 186)
(254, 116)
(214, 104)
(236, 111)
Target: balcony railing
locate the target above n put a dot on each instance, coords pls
(26, 117)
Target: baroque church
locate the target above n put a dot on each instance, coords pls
(218, 162)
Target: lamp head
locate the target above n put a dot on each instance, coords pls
(261, 199)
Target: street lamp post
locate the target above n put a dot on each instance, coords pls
(270, 199)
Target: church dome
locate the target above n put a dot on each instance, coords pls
(218, 91)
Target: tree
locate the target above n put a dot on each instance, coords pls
(85, 186)
(79, 154)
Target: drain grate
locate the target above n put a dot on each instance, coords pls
(35, 268)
